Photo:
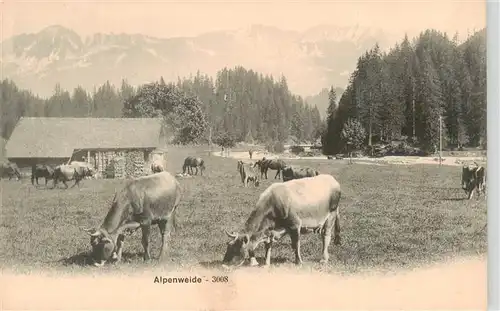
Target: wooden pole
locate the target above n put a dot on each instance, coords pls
(440, 140)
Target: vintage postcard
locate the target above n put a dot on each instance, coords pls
(243, 155)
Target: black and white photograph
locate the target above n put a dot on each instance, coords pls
(243, 155)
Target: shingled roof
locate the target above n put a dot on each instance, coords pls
(59, 137)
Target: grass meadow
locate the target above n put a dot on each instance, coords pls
(392, 216)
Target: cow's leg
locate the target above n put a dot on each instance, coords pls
(64, 182)
(471, 193)
(295, 237)
(164, 226)
(146, 229)
(119, 247)
(294, 224)
(275, 236)
(326, 236)
(77, 181)
(268, 252)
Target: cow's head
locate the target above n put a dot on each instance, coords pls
(241, 247)
(105, 245)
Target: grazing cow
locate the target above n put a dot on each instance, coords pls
(141, 203)
(266, 164)
(247, 173)
(89, 168)
(67, 172)
(191, 162)
(41, 170)
(299, 206)
(294, 172)
(10, 169)
(473, 176)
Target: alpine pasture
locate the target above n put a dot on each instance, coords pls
(392, 216)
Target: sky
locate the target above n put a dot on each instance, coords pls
(190, 18)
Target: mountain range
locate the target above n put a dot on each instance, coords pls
(311, 60)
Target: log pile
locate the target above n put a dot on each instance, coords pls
(117, 168)
(134, 166)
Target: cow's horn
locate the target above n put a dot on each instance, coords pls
(233, 235)
(92, 231)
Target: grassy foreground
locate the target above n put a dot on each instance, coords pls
(392, 216)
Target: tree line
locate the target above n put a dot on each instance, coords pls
(240, 104)
(401, 94)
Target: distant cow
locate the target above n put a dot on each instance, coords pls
(69, 172)
(294, 207)
(89, 168)
(157, 167)
(473, 177)
(247, 174)
(295, 172)
(41, 170)
(266, 164)
(141, 203)
(10, 169)
(191, 162)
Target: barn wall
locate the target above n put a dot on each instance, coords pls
(118, 163)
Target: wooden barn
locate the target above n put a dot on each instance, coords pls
(116, 147)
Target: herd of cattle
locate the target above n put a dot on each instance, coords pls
(306, 201)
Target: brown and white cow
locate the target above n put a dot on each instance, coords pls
(295, 207)
(473, 177)
(296, 172)
(247, 174)
(67, 172)
(141, 203)
(89, 168)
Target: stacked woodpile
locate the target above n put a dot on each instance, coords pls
(134, 165)
(117, 168)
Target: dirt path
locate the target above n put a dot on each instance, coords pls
(452, 161)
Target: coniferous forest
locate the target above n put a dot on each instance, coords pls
(394, 95)
(401, 94)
